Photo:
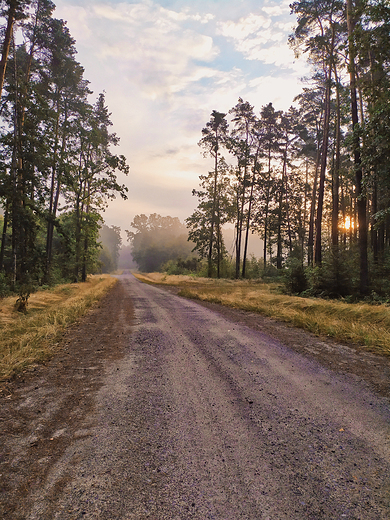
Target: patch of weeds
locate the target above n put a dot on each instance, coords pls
(24, 292)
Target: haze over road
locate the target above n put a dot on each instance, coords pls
(208, 419)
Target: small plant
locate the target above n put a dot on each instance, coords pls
(4, 286)
(295, 279)
(22, 302)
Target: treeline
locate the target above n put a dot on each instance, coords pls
(57, 170)
(313, 182)
(110, 241)
(160, 243)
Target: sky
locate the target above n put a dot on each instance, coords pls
(165, 65)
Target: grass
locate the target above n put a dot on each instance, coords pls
(359, 323)
(30, 338)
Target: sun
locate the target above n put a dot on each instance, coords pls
(348, 224)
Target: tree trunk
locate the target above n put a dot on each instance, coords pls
(266, 209)
(336, 172)
(7, 42)
(249, 213)
(4, 236)
(302, 237)
(310, 239)
(374, 231)
(212, 225)
(324, 156)
(361, 199)
(279, 254)
(240, 221)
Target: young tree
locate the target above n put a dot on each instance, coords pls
(241, 141)
(210, 194)
(156, 240)
(214, 137)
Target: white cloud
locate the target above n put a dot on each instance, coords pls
(80, 21)
(147, 43)
(275, 10)
(244, 28)
(255, 35)
(273, 90)
(163, 74)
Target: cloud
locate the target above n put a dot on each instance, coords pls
(274, 89)
(261, 36)
(157, 51)
(164, 70)
(244, 28)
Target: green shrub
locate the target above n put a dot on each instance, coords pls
(180, 266)
(4, 286)
(295, 278)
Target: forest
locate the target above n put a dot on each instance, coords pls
(57, 167)
(313, 181)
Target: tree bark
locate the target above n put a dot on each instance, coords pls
(361, 199)
(7, 42)
(4, 237)
(324, 156)
(336, 171)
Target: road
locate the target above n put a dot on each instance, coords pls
(205, 418)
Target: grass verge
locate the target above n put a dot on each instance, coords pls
(27, 339)
(359, 323)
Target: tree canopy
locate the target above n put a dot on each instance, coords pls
(156, 240)
(57, 165)
(313, 181)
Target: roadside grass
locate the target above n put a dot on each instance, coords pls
(30, 338)
(359, 323)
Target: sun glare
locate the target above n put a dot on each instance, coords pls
(348, 224)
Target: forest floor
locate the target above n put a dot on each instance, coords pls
(44, 408)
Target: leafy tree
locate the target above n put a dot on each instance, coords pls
(54, 145)
(93, 178)
(317, 30)
(267, 188)
(215, 203)
(361, 199)
(214, 137)
(156, 240)
(242, 137)
(111, 240)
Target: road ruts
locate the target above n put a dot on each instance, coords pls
(208, 419)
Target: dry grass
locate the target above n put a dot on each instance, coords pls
(359, 323)
(26, 339)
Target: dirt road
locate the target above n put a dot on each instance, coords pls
(157, 407)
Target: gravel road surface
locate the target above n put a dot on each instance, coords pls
(194, 416)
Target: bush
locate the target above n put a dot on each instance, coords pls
(380, 279)
(4, 286)
(24, 291)
(295, 279)
(271, 273)
(180, 266)
(254, 267)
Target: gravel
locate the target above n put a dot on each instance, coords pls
(159, 407)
